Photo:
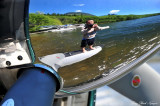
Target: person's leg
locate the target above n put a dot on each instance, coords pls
(91, 47)
(83, 45)
(83, 49)
(90, 43)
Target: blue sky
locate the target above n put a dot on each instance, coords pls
(96, 7)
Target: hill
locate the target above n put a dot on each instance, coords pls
(78, 13)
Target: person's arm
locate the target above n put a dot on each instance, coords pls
(87, 31)
(83, 30)
(100, 28)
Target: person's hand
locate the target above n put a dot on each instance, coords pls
(107, 26)
(95, 26)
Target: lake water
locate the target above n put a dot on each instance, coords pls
(121, 44)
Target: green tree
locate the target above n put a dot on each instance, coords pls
(37, 20)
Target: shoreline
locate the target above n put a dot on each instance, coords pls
(59, 28)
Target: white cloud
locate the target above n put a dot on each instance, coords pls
(78, 11)
(78, 5)
(102, 93)
(107, 97)
(114, 11)
(109, 102)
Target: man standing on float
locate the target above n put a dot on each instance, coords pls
(89, 33)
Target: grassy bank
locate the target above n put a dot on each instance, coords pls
(37, 20)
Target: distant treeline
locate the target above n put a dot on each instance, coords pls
(37, 20)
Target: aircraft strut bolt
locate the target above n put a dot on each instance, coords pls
(8, 63)
(20, 57)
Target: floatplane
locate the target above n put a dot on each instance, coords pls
(24, 83)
